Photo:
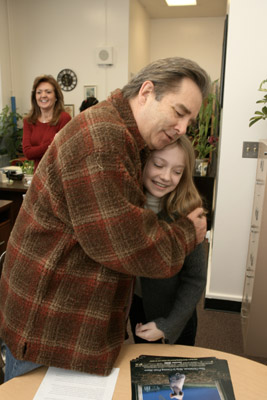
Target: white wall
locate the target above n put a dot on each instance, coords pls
(48, 36)
(5, 72)
(139, 38)
(199, 39)
(246, 62)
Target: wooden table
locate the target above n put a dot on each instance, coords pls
(6, 222)
(13, 191)
(249, 378)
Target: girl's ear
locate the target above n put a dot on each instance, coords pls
(145, 91)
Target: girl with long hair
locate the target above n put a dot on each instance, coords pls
(165, 309)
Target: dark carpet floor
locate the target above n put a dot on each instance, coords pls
(222, 331)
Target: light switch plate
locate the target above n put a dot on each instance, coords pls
(250, 149)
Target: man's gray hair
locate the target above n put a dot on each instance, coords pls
(166, 74)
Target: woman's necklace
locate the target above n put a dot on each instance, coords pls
(44, 119)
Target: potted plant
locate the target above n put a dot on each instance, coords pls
(204, 133)
(258, 115)
(10, 132)
(27, 168)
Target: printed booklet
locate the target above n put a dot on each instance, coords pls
(164, 378)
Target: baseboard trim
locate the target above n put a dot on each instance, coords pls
(222, 305)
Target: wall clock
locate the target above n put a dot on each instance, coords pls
(67, 79)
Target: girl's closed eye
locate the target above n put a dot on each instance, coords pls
(157, 165)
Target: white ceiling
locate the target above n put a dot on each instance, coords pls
(204, 8)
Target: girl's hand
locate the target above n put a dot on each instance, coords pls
(149, 331)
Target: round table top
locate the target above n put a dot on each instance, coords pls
(249, 378)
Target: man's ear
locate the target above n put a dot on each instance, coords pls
(146, 90)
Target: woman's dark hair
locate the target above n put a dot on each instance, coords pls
(35, 112)
(89, 102)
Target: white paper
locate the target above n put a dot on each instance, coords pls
(62, 384)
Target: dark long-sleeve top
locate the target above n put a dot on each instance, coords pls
(81, 236)
(37, 137)
(171, 302)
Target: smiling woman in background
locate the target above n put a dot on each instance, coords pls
(45, 119)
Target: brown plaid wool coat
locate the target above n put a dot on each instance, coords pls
(80, 238)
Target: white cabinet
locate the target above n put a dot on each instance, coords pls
(254, 304)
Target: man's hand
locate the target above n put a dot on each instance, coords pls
(200, 222)
(148, 331)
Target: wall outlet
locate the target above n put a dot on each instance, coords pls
(250, 149)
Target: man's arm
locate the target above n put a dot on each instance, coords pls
(102, 184)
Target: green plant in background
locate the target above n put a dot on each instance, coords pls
(263, 113)
(204, 133)
(27, 167)
(10, 132)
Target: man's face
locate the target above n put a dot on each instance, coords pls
(162, 122)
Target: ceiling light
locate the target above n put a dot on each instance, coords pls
(181, 2)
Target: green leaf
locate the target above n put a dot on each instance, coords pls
(9, 131)
(254, 120)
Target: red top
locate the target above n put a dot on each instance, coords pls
(37, 137)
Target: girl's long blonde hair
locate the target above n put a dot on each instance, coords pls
(185, 197)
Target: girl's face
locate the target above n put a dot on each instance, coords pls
(45, 96)
(163, 170)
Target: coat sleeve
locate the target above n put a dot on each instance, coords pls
(103, 190)
(192, 282)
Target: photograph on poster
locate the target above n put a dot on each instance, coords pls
(69, 108)
(89, 91)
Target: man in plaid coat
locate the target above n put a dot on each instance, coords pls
(82, 234)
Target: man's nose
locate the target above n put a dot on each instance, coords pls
(181, 127)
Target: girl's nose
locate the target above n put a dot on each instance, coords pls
(165, 175)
